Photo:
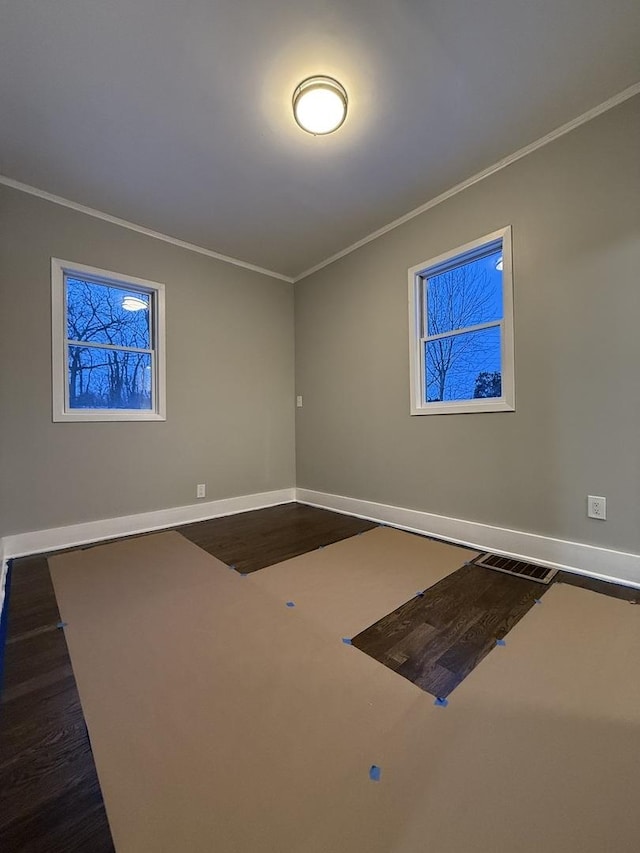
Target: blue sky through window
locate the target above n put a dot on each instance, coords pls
(107, 315)
(119, 375)
(467, 365)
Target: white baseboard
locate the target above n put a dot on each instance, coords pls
(56, 538)
(601, 563)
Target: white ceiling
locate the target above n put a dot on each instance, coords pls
(176, 114)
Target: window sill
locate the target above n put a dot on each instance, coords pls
(463, 407)
(93, 417)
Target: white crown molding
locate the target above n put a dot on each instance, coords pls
(609, 104)
(56, 538)
(595, 562)
(627, 93)
(140, 229)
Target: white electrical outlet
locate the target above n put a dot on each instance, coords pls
(299, 401)
(201, 490)
(596, 507)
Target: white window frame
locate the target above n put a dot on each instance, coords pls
(61, 411)
(418, 337)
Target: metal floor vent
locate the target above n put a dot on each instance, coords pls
(516, 567)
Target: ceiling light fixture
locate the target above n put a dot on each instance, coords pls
(320, 105)
(134, 303)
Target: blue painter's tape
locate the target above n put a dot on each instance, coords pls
(420, 593)
(501, 642)
(244, 574)
(61, 625)
(291, 604)
(375, 773)
(232, 565)
(537, 601)
(320, 547)
(4, 616)
(441, 703)
(346, 641)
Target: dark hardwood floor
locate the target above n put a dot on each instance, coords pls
(252, 540)
(49, 791)
(436, 639)
(50, 797)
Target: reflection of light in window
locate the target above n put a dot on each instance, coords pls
(499, 264)
(133, 303)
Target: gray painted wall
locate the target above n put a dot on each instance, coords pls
(575, 210)
(230, 406)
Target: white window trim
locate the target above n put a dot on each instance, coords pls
(61, 411)
(505, 403)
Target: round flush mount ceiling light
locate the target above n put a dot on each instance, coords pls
(320, 105)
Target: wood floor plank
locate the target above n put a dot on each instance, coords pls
(409, 646)
(436, 639)
(49, 788)
(253, 540)
(33, 602)
(72, 822)
(33, 722)
(29, 657)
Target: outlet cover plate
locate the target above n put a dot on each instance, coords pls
(597, 507)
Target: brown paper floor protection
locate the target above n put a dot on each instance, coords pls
(348, 586)
(221, 720)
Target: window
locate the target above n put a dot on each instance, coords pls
(108, 345)
(461, 329)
